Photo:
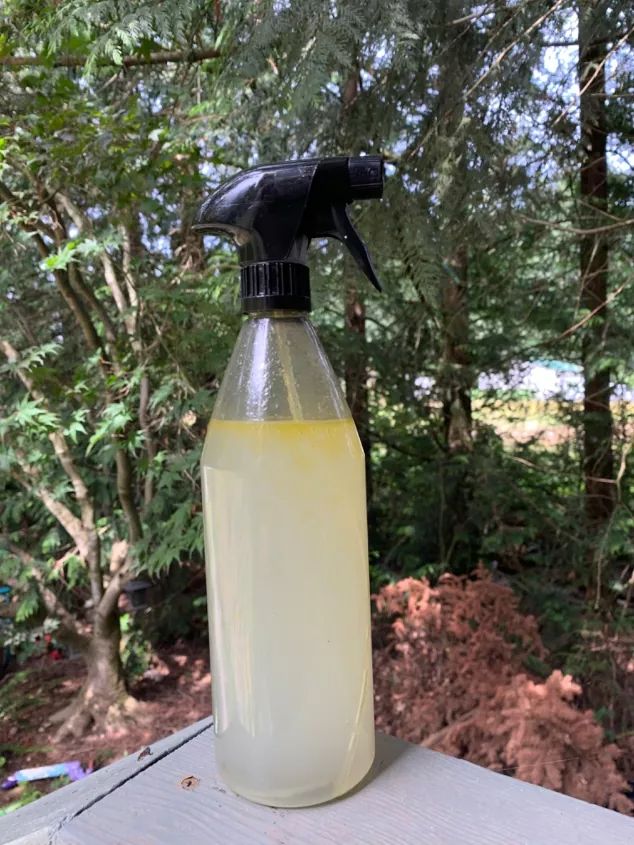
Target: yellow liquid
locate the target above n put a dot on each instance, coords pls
(288, 587)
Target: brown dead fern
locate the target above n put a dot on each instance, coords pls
(450, 673)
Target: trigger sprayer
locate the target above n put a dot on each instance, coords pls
(284, 510)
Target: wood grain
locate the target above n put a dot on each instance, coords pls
(412, 797)
(41, 823)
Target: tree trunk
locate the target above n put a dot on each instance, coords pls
(103, 701)
(455, 387)
(454, 376)
(355, 349)
(597, 417)
(103, 698)
(356, 373)
(187, 243)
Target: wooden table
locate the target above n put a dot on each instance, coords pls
(412, 796)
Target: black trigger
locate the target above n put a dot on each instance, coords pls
(348, 235)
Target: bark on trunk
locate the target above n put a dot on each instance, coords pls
(456, 378)
(455, 386)
(103, 701)
(355, 350)
(103, 698)
(187, 243)
(598, 465)
(356, 374)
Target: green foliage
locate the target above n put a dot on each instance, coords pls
(8, 701)
(180, 610)
(101, 171)
(29, 794)
(28, 639)
(28, 605)
(76, 248)
(135, 648)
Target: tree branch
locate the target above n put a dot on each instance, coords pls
(125, 473)
(54, 607)
(62, 513)
(437, 737)
(150, 445)
(58, 440)
(125, 491)
(120, 569)
(575, 230)
(84, 224)
(86, 539)
(118, 295)
(71, 296)
(606, 39)
(495, 64)
(83, 528)
(76, 277)
(162, 57)
(131, 247)
(71, 299)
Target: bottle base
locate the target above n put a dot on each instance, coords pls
(305, 798)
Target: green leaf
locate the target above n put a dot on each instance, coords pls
(114, 419)
(62, 258)
(28, 605)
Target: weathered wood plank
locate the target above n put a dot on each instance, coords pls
(413, 796)
(40, 823)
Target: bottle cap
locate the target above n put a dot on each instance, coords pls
(274, 211)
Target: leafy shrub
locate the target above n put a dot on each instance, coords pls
(136, 651)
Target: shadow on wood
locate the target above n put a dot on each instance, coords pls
(388, 750)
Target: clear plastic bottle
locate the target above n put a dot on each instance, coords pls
(287, 571)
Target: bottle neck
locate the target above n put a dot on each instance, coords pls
(275, 285)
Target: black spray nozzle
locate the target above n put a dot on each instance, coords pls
(272, 212)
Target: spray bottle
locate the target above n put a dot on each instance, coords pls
(283, 482)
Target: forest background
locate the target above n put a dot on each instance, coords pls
(491, 383)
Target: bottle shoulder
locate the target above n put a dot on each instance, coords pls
(279, 371)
